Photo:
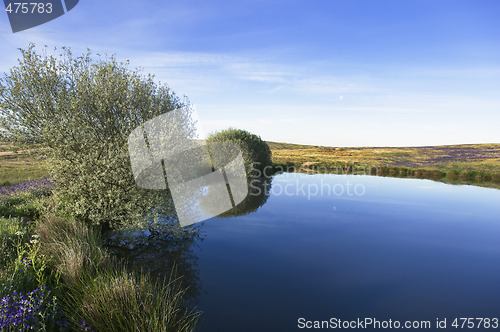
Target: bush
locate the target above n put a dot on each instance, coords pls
(256, 152)
(495, 178)
(82, 111)
(452, 175)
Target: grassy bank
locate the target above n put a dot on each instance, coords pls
(56, 275)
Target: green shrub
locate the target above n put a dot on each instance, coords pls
(82, 110)
(384, 170)
(437, 174)
(256, 152)
(486, 176)
(495, 178)
(452, 175)
(393, 171)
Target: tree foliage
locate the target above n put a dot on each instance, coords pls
(256, 152)
(82, 109)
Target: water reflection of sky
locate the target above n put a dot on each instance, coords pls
(405, 249)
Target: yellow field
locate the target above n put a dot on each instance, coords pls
(478, 157)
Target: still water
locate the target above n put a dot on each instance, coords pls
(347, 247)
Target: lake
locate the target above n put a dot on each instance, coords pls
(348, 247)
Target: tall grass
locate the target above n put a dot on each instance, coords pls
(98, 291)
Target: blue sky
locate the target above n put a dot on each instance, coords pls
(323, 72)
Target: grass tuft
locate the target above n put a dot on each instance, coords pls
(98, 290)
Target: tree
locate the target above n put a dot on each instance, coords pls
(256, 153)
(81, 109)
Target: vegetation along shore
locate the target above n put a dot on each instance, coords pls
(476, 164)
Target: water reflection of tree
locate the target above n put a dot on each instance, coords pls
(258, 192)
(163, 248)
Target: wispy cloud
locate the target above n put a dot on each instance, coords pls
(322, 81)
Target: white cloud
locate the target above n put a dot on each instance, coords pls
(306, 102)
